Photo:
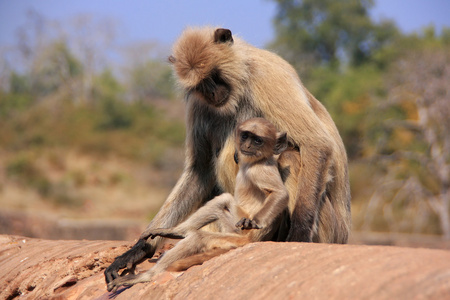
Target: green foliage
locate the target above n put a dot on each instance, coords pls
(115, 115)
(348, 98)
(152, 79)
(106, 87)
(23, 169)
(19, 97)
(313, 33)
(79, 127)
(56, 67)
(19, 85)
(12, 103)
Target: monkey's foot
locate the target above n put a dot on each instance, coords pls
(127, 280)
(128, 260)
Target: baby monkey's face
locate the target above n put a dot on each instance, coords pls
(253, 145)
(255, 139)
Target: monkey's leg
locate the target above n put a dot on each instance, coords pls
(220, 209)
(192, 244)
(216, 243)
(192, 188)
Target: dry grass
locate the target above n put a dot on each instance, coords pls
(79, 185)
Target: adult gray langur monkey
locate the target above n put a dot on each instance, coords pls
(227, 81)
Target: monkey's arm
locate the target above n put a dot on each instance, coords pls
(277, 197)
(162, 232)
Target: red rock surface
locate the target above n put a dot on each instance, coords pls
(43, 269)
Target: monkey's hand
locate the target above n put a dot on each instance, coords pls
(246, 223)
(148, 234)
(128, 260)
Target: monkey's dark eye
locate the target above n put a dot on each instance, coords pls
(244, 136)
(258, 141)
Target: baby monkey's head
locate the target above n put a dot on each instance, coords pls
(258, 139)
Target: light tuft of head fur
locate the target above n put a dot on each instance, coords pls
(199, 53)
(193, 55)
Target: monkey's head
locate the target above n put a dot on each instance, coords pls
(258, 139)
(206, 65)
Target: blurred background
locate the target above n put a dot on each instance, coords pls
(92, 126)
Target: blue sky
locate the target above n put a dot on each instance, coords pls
(163, 21)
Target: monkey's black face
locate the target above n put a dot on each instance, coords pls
(214, 89)
(250, 144)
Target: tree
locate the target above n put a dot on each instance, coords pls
(413, 141)
(93, 41)
(327, 32)
(148, 73)
(151, 80)
(55, 68)
(334, 46)
(114, 113)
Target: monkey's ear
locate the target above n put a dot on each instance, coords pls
(281, 143)
(236, 157)
(172, 59)
(223, 35)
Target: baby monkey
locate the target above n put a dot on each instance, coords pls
(252, 215)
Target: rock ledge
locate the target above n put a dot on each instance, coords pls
(34, 269)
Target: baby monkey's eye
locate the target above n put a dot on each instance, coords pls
(244, 136)
(258, 141)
